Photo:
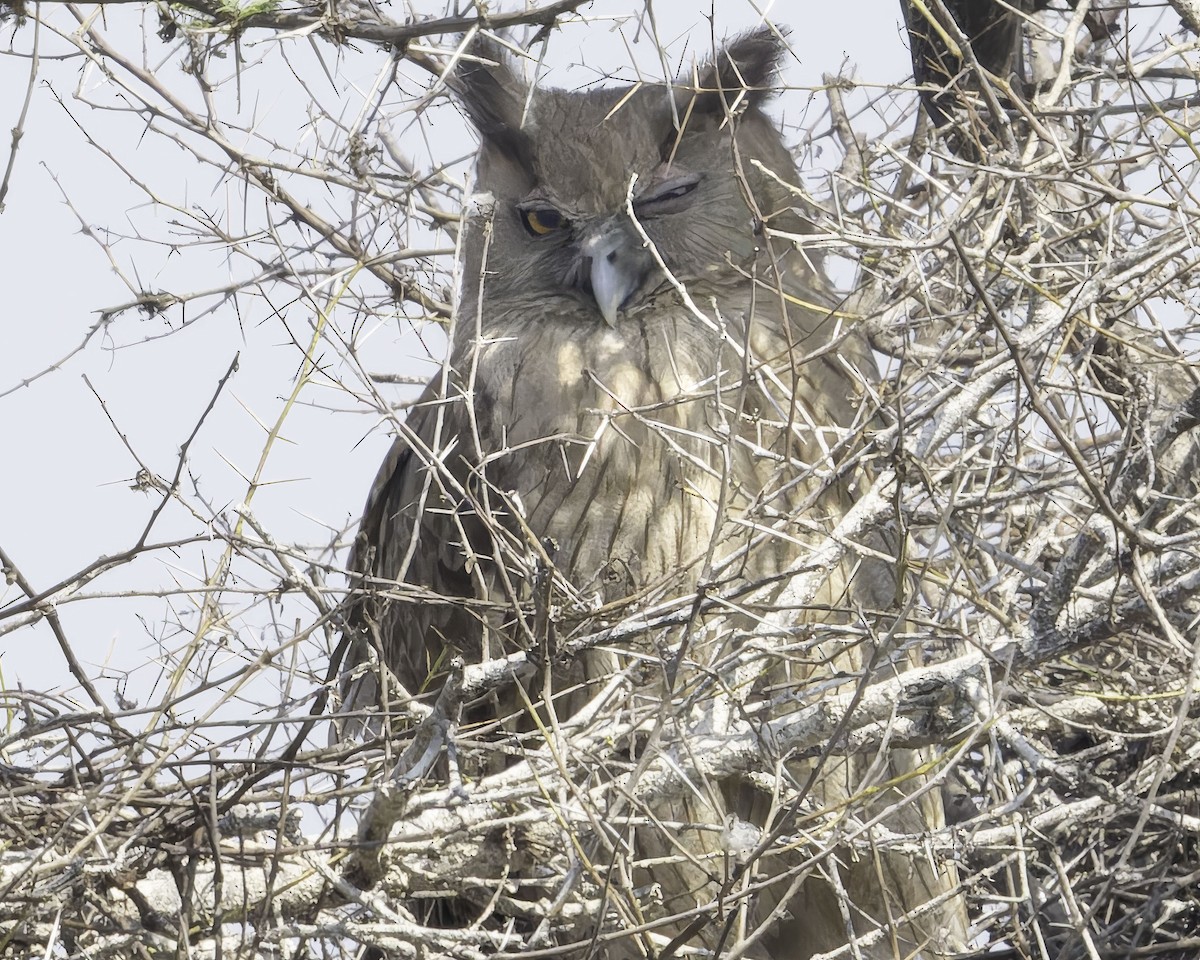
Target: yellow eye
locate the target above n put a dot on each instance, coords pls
(540, 221)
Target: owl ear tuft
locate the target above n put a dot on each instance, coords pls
(746, 65)
(493, 97)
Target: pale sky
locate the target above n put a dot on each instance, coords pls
(65, 496)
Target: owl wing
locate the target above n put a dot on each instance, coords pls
(412, 557)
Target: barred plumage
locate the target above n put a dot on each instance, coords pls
(602, 439)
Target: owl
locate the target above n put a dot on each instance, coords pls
(652, 404)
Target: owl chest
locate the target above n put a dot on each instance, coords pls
(610, 445)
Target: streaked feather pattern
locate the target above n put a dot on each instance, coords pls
(697, 438)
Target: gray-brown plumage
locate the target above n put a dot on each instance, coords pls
(603, 440)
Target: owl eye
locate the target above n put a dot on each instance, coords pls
(540, 221)
(678, 190)
(669, 191)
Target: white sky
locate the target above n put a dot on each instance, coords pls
(65, 496)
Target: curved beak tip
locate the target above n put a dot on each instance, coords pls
(610, 288)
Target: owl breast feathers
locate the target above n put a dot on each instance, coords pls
(648, 390)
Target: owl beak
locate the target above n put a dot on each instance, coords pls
(618, 265)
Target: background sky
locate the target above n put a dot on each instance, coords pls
(67, 491)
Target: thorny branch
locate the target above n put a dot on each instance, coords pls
(1025, 262)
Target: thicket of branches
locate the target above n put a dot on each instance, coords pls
(1025, 267)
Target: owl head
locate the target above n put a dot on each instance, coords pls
(606, 199)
